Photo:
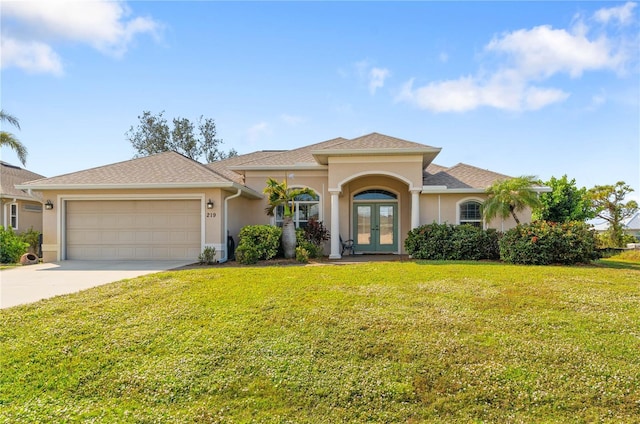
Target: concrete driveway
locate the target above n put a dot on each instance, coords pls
(30, 283)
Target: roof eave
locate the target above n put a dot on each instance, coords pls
(428, 154)
(446, 190)
(137, 186)
(290, 167)
(442, 189)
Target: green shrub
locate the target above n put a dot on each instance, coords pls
(32, 238)
(11, 246)
(258, 242)
(302, 255)
(542, 243)
(450, 242)
(312, 238)
(208, 256)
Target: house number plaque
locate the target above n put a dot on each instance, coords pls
(211, 214)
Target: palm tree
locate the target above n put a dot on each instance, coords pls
(506, 197)
(8, 139)
(281, 195)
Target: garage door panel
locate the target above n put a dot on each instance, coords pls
(133, 229)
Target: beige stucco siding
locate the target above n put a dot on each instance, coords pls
(29, 214)
(405, 168)
(443, 208)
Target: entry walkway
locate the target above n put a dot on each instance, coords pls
(30, 283)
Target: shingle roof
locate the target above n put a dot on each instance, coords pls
(633, 223)
(223, 167)
(315, 154)
(297, 156)
(461, 176)
(376, 141)
(168, 168)
(10, 175)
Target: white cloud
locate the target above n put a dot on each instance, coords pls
(291, 119)
(373, 77)
(258, 131)
(465, 94)
(104, 25)
(622, 14)
(530, 56)
(376, 79)
(544, 51)
(31, 56)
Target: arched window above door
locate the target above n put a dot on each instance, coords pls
(375, 195)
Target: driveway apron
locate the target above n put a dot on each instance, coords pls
(30, 283)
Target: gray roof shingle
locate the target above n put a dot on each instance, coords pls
(461, 176)
(165, 168)
(10, 175)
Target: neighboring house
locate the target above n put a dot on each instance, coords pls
(630, 226)
(19, 209)
(373, 189)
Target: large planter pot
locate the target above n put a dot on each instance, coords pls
(29, 259)
(289, 237)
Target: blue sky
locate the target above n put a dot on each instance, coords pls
(535, 88)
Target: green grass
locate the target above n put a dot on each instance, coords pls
(377, 342)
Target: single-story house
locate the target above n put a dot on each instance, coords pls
(373, 189)
(630, 226)
(20, 210)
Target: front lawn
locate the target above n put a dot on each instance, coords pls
(372, 342)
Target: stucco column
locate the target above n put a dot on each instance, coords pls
(415, 208)
(335, 226)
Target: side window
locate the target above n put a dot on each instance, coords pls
(471, 213)
(306, 208)
(13, 215)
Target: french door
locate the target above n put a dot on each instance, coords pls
(376, 227)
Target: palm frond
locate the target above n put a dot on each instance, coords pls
(8, 139)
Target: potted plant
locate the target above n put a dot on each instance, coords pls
(279, 194)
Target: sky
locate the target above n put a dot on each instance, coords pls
(521, 88)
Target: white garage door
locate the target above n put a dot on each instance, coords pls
(133, 229)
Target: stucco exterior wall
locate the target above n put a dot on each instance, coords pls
(442, 208)
(408, 168)
(27, 218)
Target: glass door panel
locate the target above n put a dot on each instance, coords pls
(363, 225)
(386, 225)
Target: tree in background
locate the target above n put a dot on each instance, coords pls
(9, 140)
(607, 202)
(506, 197)
(153, 135)
(564, 203)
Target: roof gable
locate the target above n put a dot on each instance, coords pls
(376, 144)
(10, 175)
(316, 154)
(167, 168)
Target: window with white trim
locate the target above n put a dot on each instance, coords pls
(306, 208)
(13, 215)
(471, 213)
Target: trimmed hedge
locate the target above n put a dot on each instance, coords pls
(452, 242)
(543, 243)
(12, 246)
(258, 242)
